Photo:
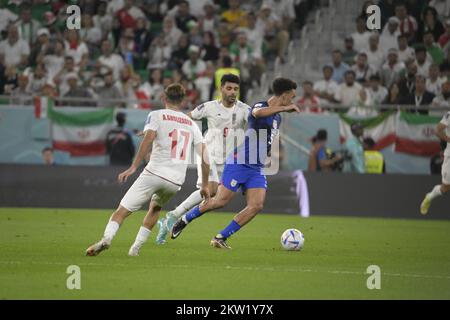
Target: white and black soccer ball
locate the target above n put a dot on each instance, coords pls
(292, 240)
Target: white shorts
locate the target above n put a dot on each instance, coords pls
(148, 186)
(215, 172)
(446, 171)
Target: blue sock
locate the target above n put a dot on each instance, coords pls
(194, 213)
(233, 227)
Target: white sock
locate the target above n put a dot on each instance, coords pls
(184, 219)
(111, 230)
(194, 199)
(436, 192)
(141, 237)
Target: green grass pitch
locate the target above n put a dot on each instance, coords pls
(37, 246)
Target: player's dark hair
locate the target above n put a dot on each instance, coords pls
(47, 149)
(121, 118)
(230, 78)
(369, 142)
(322, 135)
(175, 93)
(282, 85)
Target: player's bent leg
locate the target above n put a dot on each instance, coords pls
(429, 197)
(149, 222)
(111, 229)
(223, 196)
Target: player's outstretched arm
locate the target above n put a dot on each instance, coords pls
(144, 149)
(266, 112)
(440, 132)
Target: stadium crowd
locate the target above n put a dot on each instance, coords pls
(132, 49)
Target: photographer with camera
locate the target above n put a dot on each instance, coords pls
(321, 158)
(355, 151)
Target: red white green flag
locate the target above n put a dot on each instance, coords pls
(41, 106)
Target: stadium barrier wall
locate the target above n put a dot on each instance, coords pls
(395, 196)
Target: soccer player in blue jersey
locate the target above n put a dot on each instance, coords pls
(244, 168)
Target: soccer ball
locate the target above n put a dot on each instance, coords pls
(292, 239)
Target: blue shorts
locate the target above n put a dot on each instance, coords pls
(237, 176)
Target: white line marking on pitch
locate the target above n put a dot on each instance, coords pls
(269, 269)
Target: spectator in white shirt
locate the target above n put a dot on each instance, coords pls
(54, 60)
(27, 26)
(13, 50)
(388, 38)
(423, 64)
(442, 100)
(326, 89)
(408, 24)
(170, 32)
(363, 71)
(434, 81)
(392, 69)
(375, 54)
(377, 92)
(6, 17)
(193, 67)
(76, 48)
(405, 52)
(112, 61)
(361, 36)
(351, 93)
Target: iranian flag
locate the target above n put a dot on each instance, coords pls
(380, 128)
(416, 134)
(81, 133)
(41, 106)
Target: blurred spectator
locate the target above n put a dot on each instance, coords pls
(407, 82)
(387, 9)
(349, 54)
(142, 35)
(180, 54)
(423, 64)
(389, 36)
(21, 95)
(11, 80)
(195, 35)
(53, 59)
(159, 54)
(197, 7)
(61, 77)
(355, 151)
(442, 100)
(90, 34)
(434, 50)
(235, 16)
(129, 14)
(363, 71)
(37, 79)
(378, 93)
(102, 20)
(327, 88)
(41, 47)
(408, 24)
(420, 96)
(26, 25)
(209, 20)
(309, 102)
(76, 91)
(204, 83)
(154, 87)
(76, 48)
(13, 50)
(373, 159)
(361, 35)
(441, 6)
(434, 82)
(109, 60)
(255, 34)
(47, 156)
(404, 51)
(195, 66)
(108, 91)
(430, 23)
(351, 93)
(339, 67)
(171, 33)
(319, 159)
(127, 46)
(6, 17)
(375, 54)
(393, 95)
(392, 69)
(210, 52)
(119, 143)
(183, 16)
(445, 37)
(284, 10)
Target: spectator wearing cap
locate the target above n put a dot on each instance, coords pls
(392, 69)
(76, 91)
(308, 101)
(377, 91)
(195, 66)
(435, 81)
(26, 25)
(119, 143)
(430, 23)
(318, 155)
(375, 54)
(13, 50)
(108, 91)
(445, 37)
(351, 93)
(363, 71)
(419, 98)
(109, 60)
(405, 52)
(355, 150)
(361, 35)
(389, 36)
(129, 14)
(349, 53)
(408, 24)
(433, 50)
(339, 67)
(422, 61)
(326, 88)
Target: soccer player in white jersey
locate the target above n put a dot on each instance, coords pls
(171, 134)
(443, 132)
(225, 117)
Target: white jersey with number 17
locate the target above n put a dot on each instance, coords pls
(176, 133)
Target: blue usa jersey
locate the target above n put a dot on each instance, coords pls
(258, 139)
